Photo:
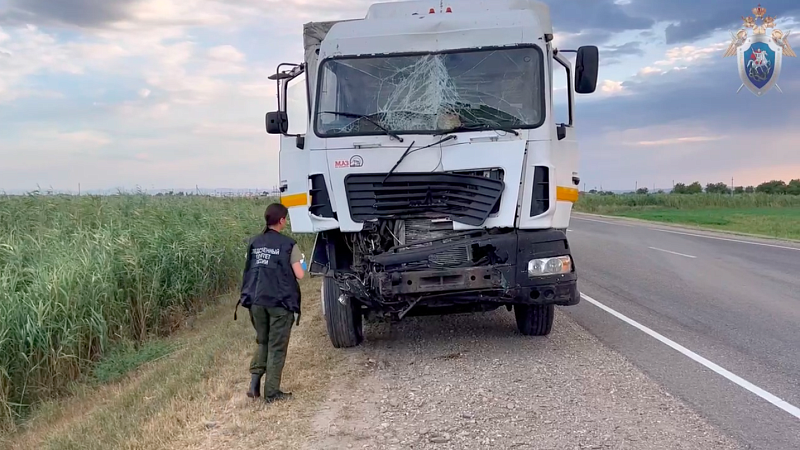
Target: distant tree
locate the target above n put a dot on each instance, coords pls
(772, 187)
(793, 188)
(606, 193)
(749, 189)
(660, 191)
(642, 191)
(738, 190)
(694, 188)
(717, 188)
(593, 191)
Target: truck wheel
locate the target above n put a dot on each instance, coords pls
(345, 326)
(534, 320)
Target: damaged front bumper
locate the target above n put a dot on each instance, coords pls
(507, 278)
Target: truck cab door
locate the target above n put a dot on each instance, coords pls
(565, 146)
(294, 156)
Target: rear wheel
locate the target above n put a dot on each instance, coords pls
(345, 326)
(534, 320)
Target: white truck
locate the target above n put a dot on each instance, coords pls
(419, 145)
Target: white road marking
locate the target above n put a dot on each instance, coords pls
(782, 404)
(674, 253)
(726, 239)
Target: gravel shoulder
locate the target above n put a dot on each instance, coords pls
(472, 382)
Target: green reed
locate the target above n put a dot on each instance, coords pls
(79, 274)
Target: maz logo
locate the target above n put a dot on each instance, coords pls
(355, 161)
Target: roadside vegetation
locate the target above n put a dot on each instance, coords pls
(769, 209)
(89, 285)
(194, 395)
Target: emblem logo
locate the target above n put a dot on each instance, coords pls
(356, 161)
(759, 55)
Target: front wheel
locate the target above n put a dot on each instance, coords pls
(534, 320)
(345, 326)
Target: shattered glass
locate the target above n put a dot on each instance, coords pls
(429, 93)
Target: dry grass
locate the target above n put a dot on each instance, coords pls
(194, 398)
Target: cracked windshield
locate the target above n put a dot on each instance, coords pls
(500, 88)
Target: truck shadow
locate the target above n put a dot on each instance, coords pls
(496, 326)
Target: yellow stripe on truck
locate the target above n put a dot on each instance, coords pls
(566, 194)
(294, 200)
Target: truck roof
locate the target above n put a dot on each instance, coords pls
(315, 32)
(391, 10)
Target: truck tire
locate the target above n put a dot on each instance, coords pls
(534, 320)
(345, 325)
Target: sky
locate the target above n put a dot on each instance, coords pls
(167, 94)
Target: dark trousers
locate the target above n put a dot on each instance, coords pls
(273, 327)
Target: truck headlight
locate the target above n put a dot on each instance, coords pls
(549, 266)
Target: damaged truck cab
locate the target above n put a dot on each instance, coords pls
(419, 145)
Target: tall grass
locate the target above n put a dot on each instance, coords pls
(78, 274)
(615, 204)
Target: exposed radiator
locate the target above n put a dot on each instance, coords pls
(418, 230)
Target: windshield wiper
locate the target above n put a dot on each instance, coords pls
(483, 126)
(409, 151)
(367, 118)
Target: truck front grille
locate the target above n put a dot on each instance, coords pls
(466, 198)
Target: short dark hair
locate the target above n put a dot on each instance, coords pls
(274, 213)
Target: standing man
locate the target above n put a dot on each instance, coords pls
(272, 293)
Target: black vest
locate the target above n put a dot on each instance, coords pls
(268, 279)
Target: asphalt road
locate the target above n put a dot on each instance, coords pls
(734, 301)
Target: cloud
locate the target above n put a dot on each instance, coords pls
(611, 87)
(173, 92)
(123, 15)
(226, 53)
(678, 59)
(75, 12)
(678, 140)
(577, 15)
(632, 48)
(691, 20)
(565, 40)
(689, 124)
(86, 138)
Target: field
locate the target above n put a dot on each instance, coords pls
(83, 279)
(775, 216)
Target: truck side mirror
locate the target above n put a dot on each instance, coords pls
(277, 122)
(586, 65)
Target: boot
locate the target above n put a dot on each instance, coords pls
(255, 386)
(278, 396)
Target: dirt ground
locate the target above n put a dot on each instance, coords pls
(472, 382)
